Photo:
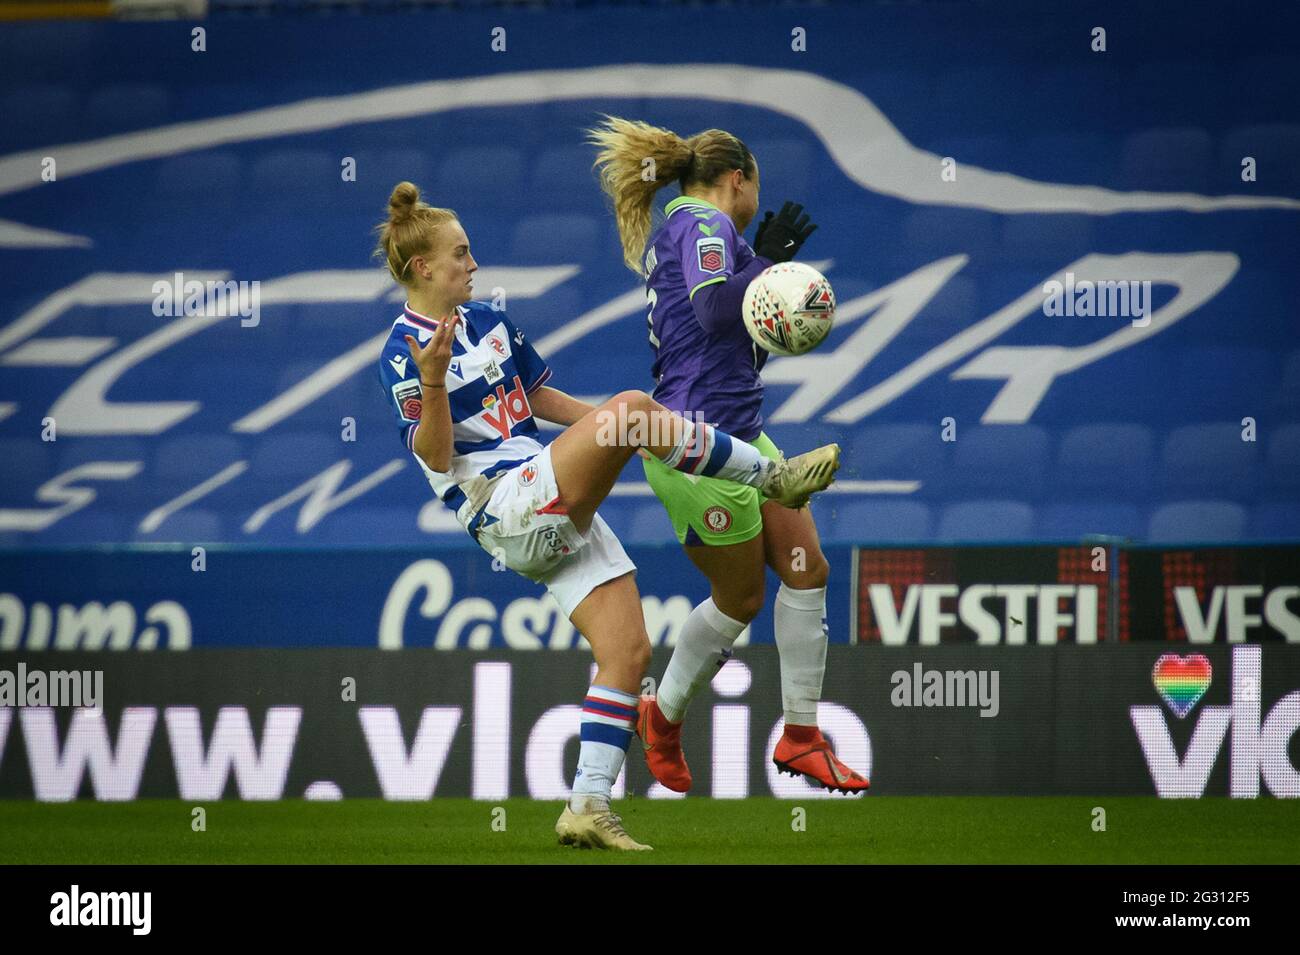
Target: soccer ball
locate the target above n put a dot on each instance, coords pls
(789, 308)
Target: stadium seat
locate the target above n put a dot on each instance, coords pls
(379, 170)
(931, 233)
(1231, 382)
(369, 526)
(1282, 468)
(650, 524)
(1178, 92)
(540, 316)
(93, 524)
(189, 459)
(1197, 521)
(1117, 460)
(78, 450)
(562, 180)
(494, 175)
(1277, 521)
(785, 166)
(125, 108)
(188, 526)
(190, 180)
(1053, 155)
(28, 463)
(550, 239)
(1073, 521)
(1004, 459)
(900, 452)
(955, 307)
(1288, 393)
(1172, 159)
(878, 520)
(618, 512)
(1054, 241)
(352, 397)
(1209, 460)
(989, 520)
(1275, 147)
(294, 455)
(296, 176)
(962, 93)
(39, 115)
(209, 100)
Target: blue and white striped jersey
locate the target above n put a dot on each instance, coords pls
(493, 370)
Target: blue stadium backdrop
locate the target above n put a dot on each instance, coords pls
(957, 158)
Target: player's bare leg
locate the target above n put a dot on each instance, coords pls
(589, 456)
(793, 551)
(610, 618)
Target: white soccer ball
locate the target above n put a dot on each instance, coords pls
(789, 308)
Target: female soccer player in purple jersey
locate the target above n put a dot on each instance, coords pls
(696, 267)
(465, 385)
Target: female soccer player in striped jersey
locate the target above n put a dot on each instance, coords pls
(696, 267)
(465, 385)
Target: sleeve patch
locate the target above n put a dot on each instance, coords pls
(712, 254)
(407, 396)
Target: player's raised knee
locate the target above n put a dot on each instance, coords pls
(630, 400)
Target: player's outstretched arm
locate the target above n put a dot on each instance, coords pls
(551, 404)
(433, 442)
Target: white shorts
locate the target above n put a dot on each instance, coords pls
(524, 530)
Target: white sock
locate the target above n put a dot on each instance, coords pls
(703, 646)
(801, 641)
(704, 450)
(608, 716)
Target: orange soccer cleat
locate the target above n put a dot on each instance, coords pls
(816, 761)
(663, 746)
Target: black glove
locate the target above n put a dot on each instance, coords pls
(779, 238)
(762, 226)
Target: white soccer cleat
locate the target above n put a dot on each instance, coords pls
(791, 482)
(602, 829)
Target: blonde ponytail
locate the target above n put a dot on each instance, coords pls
(630, 149)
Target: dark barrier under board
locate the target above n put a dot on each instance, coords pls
(948, 720)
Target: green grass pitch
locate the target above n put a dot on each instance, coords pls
(893, 829)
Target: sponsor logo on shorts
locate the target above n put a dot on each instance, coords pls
(717, 519)
(552, 542)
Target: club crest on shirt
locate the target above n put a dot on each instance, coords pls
(712, 254)
(497, 344)
(407, 396)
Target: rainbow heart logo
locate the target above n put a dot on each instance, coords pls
(1181, 681)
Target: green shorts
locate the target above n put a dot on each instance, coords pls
(708, 510)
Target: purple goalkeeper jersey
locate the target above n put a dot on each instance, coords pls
(709, 373)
